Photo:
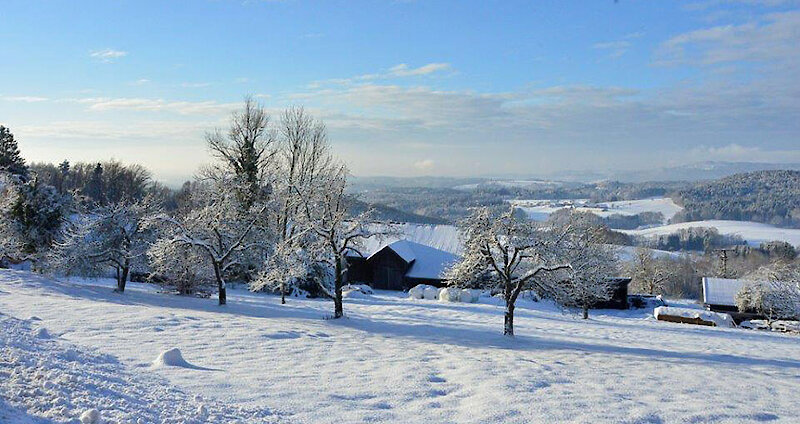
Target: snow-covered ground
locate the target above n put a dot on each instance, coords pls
(753, 232)
(539, 209)
(393, 359)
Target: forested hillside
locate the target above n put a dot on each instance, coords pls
(771, 197)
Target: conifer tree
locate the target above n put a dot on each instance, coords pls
(10, 158)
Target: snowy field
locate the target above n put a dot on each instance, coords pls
(753, 232)
(539, 209)
(71, 346)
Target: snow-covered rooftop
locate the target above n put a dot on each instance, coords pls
(426, 262)
(721, 291)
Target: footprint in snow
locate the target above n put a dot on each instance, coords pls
(436, 379)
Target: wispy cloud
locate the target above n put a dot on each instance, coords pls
(618, 48)
(155, 105)
(24, 99)
(772, 37)
(107, 55)
(402, 70)
(195, 84)
(425, 164)
(615, 49)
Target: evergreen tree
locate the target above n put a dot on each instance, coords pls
(61, 181)
(95, 189)
(10, 158)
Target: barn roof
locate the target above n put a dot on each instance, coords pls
(426, 262)
(721, 291)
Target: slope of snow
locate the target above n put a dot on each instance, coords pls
(752, 232)
(539, 210)
(392, 359)
(54, 381)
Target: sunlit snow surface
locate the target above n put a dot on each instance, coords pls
(393, 359)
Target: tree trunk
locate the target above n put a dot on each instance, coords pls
(122, 277)
(220, 284)
(585, 312)
(283, 294)
(338, 311)
(508, 328)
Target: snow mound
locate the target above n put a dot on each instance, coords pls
(786, 326)
(430, 293)
(469, 296)
(90, 416)
(42, 333)
(356, 291)
(449, 294)
(172, 358)
(755, 324)
(418, 291)
(693, 316)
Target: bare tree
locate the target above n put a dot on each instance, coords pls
(111, 236)
(220, 229)
(305, 158)
(593, 264)
(246, 150)
(649, 274)
(326, 215)
(508, 253)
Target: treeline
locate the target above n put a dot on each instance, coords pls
(102, 183)
(446, 205)
(771, 197)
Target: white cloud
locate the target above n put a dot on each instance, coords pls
(106, 130)
(107, 55)
(141, 81)
(772, 37)
(615, 49)
(195, 84)
(401, 70)
(156, 105)
(24, 99)
(424, 164)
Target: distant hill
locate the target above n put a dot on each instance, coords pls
(771, 197)
(698, 171)
(386, 213)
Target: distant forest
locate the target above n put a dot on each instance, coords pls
(770, 197)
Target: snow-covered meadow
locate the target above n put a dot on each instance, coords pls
(393, 359)
(539, 209)
(752, 232)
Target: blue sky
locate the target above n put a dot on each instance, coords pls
(410, 87)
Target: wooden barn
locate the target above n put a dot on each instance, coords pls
(400, 266)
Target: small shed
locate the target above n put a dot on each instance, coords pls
(619, 295)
